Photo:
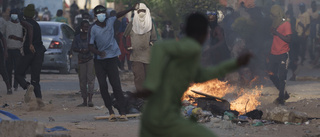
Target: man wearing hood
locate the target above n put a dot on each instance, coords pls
(279, 56)
(143, 34)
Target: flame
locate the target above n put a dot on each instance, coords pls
(246, 100)
(213, 87)
(253, 80)
(270, 73)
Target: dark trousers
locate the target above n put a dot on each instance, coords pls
(13, 60)
(34, 61)
(108, 68)
(86, 78)
(3, 70)
(303, 48)
(312, 48)
(294, 52)
(278, 67)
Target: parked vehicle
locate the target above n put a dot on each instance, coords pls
(57, 38)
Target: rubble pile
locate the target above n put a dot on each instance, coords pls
(283, 115)
(217, 112)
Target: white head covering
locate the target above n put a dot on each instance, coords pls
(142, 25)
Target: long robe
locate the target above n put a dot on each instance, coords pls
(174, 65)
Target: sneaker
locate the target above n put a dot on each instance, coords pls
(40, 103)
(27, 97)
(123, 118)
(9, 91)
(112, 118)
(90, 104)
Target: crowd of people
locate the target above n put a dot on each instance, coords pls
(106, 43)
(285, 46)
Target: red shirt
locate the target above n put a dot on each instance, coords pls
(278, 45)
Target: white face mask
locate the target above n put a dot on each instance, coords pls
(101, 17)
(142, 14)
(168, 27)
(14, 16)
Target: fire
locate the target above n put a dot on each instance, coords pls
(246, 100)
(213, 87)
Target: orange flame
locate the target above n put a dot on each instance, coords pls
(246, 100)
(213, 87)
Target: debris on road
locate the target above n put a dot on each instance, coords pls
(51, 119)
(98, 108)
(56, 128)
(117, 116)
(280, 114)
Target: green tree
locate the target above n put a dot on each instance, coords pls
(173, 10)
(185, 7)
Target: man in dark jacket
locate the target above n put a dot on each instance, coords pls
(33, 58)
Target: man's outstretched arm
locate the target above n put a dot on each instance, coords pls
(205, 74)
(122, 13)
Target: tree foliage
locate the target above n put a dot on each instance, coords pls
(173, 10)
(185, 7)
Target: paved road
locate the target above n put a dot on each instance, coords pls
(53, 81)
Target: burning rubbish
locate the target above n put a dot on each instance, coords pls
(211, 102)
(245, 100)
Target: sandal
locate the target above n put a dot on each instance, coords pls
(123, 118)
(112, 118)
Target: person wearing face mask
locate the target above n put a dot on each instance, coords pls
(106, 51)
(143, 34)
(15, 32)
(168, 32)
(46, 15)
(217, 49)
(85, 63)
